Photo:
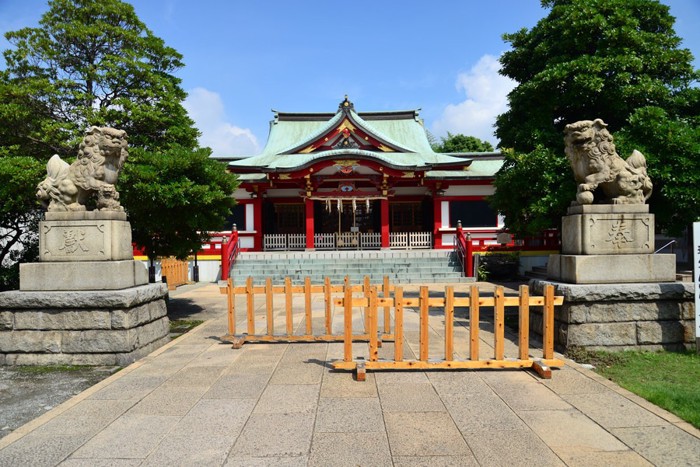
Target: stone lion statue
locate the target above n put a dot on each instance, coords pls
(596, 165)
(101, 155)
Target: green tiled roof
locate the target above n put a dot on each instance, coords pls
(292, 132)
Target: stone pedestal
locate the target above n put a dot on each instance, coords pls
(87, 302)
(611, 269)
(650, 316)
(607, 244)
(82, 328)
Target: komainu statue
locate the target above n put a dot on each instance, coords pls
(596, 165)
(100, 158)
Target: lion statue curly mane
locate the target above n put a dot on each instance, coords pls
(599, 169)
(101, 155)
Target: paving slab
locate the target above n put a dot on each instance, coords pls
(197, 401)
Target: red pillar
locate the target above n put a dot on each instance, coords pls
(437, 221)
(309, 224)
(384, 204)
(257, 223)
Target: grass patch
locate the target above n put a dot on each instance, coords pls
(179, 327)
(667, 379)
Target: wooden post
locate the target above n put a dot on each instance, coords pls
(365, 290)
(548, 318)
(327, 294)
(387, 308)
(474, 323)
(231, 307)
(398, 324)
(347, 318)
(251, 305)
(498, 324)
(524, 323)
(288, 304)
(373, 324)
(268, 305)
(307, 305)
(449, 322)
(424, 296)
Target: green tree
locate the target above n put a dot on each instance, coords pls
(93, 62)
(462, 143)
(588, 59)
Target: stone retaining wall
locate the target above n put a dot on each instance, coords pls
(82, 328)
(650, 316)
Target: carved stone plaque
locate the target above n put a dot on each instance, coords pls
(85, 240)
(606, 234)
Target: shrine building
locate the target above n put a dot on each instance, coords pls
(359, 180)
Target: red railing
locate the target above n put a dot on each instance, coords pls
(229, 252)
(466, 246)
(465, 250)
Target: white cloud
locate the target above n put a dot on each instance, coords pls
(486, 97)
(225, 139)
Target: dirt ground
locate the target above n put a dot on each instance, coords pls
(28, 392)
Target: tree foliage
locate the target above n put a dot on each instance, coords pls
(462, 143)
(93, 62)
(592, 59)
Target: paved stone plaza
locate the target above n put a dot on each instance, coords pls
(196, 401)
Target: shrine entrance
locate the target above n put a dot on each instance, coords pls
(347, 215)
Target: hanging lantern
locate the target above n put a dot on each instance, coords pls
(340, 205)
(328, 205)
(354, 205)
(367, 204)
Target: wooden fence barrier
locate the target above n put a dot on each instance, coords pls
(327, 289)
(474, 302)
(174, 271)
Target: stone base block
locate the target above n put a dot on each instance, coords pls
(611, 269)
(82, 275)
(650, 316)
(607, 232)
(85, 240)
(82, 328)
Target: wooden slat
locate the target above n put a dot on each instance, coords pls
(449, 322)
(386, 292)
(372, 324)
(269, 307)
(509, 301)
(347, 318)
(498, 323)
(548, 318)
(365, 291)
(524, 323)
(231, 302)
(288, 305)
(441, 364)
(398, 325)
(250, 299)
(307, 304)
(473, 323)
(424, 323)
(327, 301)
(304, 338)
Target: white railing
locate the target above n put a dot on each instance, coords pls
(348, 241)
(410, 240)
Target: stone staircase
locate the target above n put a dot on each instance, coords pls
(537, 272)
(402, 267)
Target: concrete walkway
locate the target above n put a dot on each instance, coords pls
(197, 401)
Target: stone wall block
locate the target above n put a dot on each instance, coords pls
(618, 311)
(150, 332)
(30, 341)
(62, 319)
(660, 332)
(97, 342)
(6, 320)
(688, 310)
(62, 359)
(158, 309)
(610, 334)
(689, 331)
(130, 318)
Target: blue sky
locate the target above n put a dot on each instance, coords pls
(244, 58)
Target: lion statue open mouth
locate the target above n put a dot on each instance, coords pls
(598, 168)
(101, 156)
